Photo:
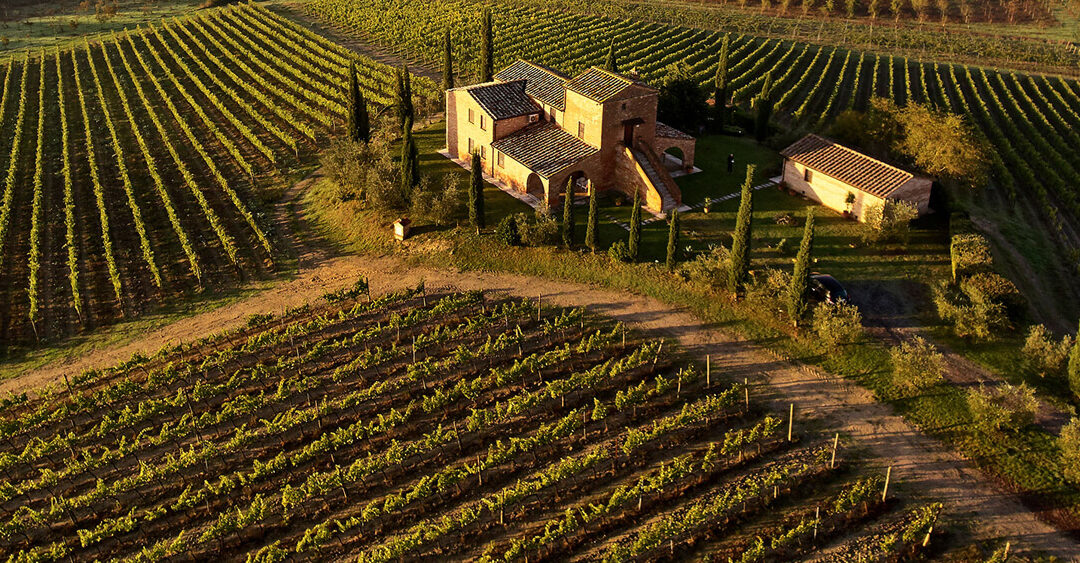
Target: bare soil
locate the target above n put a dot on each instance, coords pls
(921, 466)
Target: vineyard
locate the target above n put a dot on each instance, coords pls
(134, 168)
(1031, 120)
(428, 424)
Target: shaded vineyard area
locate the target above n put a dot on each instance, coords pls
(417, 424)
(138, 169)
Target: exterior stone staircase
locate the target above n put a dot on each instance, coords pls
(656, 179)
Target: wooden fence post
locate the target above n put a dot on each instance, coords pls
(885, 491)
(835, 442)
(790, 420)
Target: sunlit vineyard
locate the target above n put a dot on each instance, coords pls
(133, 167)
(1031, 120)
(417, 424)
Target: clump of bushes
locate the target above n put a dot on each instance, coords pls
(507, 231)
(836, 324)
(1003, 407)
(1044, 354)
(979, 301)
(1069, 442)
(768, 289)
(712, 267)
(916, 364)
(541, 230)
(442, 203)
(889, 221)
(619, 251)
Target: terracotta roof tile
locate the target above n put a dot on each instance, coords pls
(503, 99)
(543, 83)
(602, 85)
(665, 130)
(544, 148)
(847, 165)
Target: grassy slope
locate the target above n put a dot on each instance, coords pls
(1027, 460)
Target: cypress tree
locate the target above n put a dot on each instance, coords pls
(352, 106)
(363, 123)
(1074, 366)
(590, 229)
(611, 63)
(447, 62)
(720, 93)
(673, 240)
(740, 247)
(406, 98)
(764, 104)
(476, 193)
(487, 48)
(800, 278)
(568, 214)
(410, 160)
(635, 227)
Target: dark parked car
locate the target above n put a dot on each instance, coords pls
(825, 288)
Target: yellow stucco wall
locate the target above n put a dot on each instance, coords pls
(831, 192)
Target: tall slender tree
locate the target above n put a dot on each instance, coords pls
(740, 247)
(476, 192)
(611, 63)
(447, 62)
(568, 214)
(593, 224)
(410, 160)
(634, 245)
(720, 91)
(800, 278)
(352, 106)
(403, 97)
(363, 122)
(673, 241)
(764, 106)
(487, 48)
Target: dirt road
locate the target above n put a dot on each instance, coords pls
(921, 465)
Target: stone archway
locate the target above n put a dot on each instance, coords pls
(674, 159)
(534, 186)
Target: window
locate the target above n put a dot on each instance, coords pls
(808, 175)
(534, 118)
(580, 130)
(472, 119)
(483, 152)
(502, 161)
(470, 146)
(482, 126)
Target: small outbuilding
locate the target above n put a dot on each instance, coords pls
(848, 181)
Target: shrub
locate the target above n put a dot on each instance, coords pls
(542, 230)
(769, 289)
(1043, 354)
(916, 365)
(1069, 442)
(970, 253)
(712, 267)
(1003, 407)
(440, 203)
(837, 323)
(989, 288)
(969, 319)
(1074, 366)
(889, 221)
(619, 251)
(507, 231)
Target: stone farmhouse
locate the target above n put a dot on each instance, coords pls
(827, 172)
(538, 130)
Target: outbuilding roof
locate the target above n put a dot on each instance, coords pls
(503, 100)
(669, 132)
(544, 148)
(602, 85)
(545, 84)
(847, 165)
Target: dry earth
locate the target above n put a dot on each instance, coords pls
(921, 465)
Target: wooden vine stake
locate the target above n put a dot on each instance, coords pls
(708, 372)
(791, 421)
(746, 391)
(539, 298)
(817, 519)
(835, 442)
(885, 491)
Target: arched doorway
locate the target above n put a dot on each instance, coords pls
(534, 186)
(674, 157)
(580, 182)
